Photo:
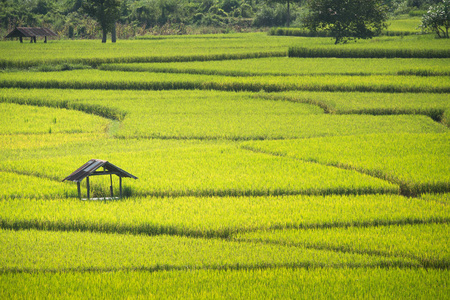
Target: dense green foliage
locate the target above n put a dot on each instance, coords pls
(437, 19)
(346, 20)
(76, 19)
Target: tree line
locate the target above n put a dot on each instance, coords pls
(88, 18)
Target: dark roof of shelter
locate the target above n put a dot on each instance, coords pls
(91, 166)
(31, 32)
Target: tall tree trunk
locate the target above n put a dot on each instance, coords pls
(113, 33)
(104, 35)
(288, 14)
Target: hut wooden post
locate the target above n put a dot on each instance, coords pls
(120, 185)
(34, 39)
(88, 188)
(31, 39)
(20, 39)
(111, 186)
(79, 189)
(45, 40)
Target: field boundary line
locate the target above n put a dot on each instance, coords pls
(94, 62)
(99, 110)
(216, 84)
(224, 234)
(404, 189)
(428, 264)
(236, 266)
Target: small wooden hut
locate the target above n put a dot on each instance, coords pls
(31, 32)
(90, 169)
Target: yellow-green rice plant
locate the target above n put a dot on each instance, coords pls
(419, 163)
(213, 171)
(296, 66)
(217, 216)
(273, 283)
(37, 251)
(21, 119)
(95, 79)
(427, 243)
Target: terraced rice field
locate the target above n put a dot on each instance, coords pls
(259, 175)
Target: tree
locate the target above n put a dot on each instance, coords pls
(106, 12)
(288, 6)
(347, 19)
(437, 19)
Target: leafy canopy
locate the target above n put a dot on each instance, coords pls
(347, 19)
(106, 12)
(437, 19)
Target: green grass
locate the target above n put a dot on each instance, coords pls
(14, 185)
(212, 171)
(418, 163)
(218, 217)
(95, 79)
(32, 251)
(293, 66)
(335, 186)
(242, 116)
(21, 119)
(425, 242)
(279, 283)
(410, 24)
(91, 52)
(432, 105)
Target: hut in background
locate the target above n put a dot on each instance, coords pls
(31, 32)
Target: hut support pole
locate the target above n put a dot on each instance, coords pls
(79, 189)
(120, 184)
(88, 187)
(45, 41)
(111, 186)
(34, 39)
(20, 39)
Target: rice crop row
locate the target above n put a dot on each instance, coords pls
(240, 116)
(22, 186)
(212, 171)
(89, 52)
(280, 283)
(402, 24)
(367, 53)
(432, 105)
(61, 100)
(20, 119)
(94, 79)
(17, 142)
(443, 198)
(425, 242)
(296, 66)
(267, 127)
(70, 251)
(418, 163)
(287, 31)
(218, 217)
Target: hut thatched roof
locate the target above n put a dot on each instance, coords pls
(30, 32)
